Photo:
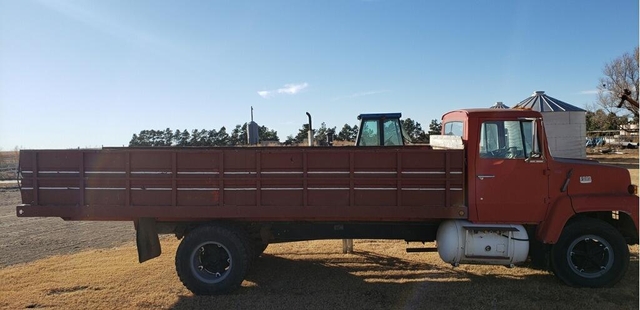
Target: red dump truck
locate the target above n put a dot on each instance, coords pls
(487, 191)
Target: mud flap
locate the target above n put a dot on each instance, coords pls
(147, 239)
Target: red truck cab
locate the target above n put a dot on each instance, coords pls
(508, 159)
(576, 208)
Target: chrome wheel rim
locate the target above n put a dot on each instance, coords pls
(211, 262)
(590, 256)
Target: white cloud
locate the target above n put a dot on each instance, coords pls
(265, 93)
(361, 94)
(292, 88)
(589, 92)
(288, 89)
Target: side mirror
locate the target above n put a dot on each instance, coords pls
(535, 147)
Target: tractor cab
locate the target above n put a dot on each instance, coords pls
(381, 129)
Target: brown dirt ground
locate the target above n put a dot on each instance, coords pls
(86, 271)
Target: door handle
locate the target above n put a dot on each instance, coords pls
(486, 176)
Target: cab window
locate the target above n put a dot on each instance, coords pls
(506, 139)
(392, 132)
(453, 129)
(370, 135)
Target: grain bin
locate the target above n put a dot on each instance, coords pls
(499, 105)
(565, 124)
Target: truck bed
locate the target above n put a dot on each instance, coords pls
(373, 184)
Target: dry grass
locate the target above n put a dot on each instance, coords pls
(8, 165)
(312, 275)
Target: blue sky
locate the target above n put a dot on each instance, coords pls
(92, 73)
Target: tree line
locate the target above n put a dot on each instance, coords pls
(202, 137)
(238, 136)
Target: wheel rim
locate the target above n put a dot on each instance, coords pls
(211, 262)
(590, 256)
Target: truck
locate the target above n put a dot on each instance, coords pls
(487, 191)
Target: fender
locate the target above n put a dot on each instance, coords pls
(566, 207)
(561, 211)
(608, 202)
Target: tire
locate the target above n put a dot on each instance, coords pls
(212, 260)
(590, 253)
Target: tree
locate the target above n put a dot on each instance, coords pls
(290, 140)
(347, 133)
(200, 137)
(168, 137)
(221, 138)
(134, 140)
(322, 133)
(303, 133)
(182, 138)
(239, 135)
(601, 120)
(267, 134)
(414, 131)
(331, 132)
(435, 128)
(142, 139)
(620, 74)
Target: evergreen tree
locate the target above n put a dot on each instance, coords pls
(184, 138)
(435, 128)
(134, 141)
(347, 133)
(267, 134)
(168, 137)
(200, 137)
(239, 135)
(222, 138)
(303, 134)
(414, 131)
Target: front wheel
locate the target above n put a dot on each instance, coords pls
(590, 253)
(212, 260)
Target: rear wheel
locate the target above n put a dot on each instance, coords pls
(212, 260)
(590, 253)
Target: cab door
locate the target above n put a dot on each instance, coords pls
(512, 183)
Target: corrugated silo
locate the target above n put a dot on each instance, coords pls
(565, 124)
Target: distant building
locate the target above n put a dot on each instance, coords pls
(565, 124)
(629, 130)
(499, 105)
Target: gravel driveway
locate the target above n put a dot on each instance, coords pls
(24, 240)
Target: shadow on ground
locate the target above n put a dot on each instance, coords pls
(368, 280)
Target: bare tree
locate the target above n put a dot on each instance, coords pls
(619, 75)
